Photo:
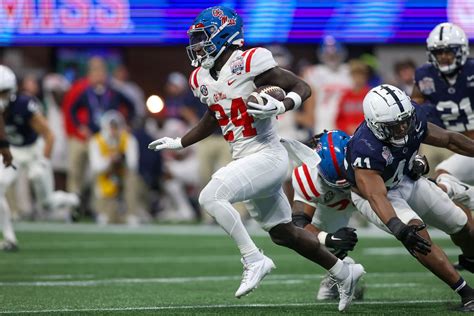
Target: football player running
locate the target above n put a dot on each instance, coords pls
(224, 78)
(446, 84)
(322, 203)
(379, 158)
(23, 124)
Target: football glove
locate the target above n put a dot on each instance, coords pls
(166, 143)
(272, 108)
(344, 238)
(408, 235)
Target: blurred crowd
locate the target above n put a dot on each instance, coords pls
(102, 126)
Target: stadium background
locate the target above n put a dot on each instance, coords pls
(78, 268)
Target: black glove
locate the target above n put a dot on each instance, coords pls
(420, 167)
(344, 238)
(408, 235)
(300, 219)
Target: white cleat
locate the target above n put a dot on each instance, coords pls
(254, 273)
(348, 286)
(327, 289)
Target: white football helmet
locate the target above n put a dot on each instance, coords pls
(389, 114)
(8, 86)
(448, 36)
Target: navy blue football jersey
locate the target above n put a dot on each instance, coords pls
(450, 106)
(366, 151)
(17, 117)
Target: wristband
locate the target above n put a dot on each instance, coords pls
(395, 225)
(322, 237)
(296, 99)
(4, 143)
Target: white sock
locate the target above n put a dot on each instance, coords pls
(229, 219)
(340, 270)
(6, 221)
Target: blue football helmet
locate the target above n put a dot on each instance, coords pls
(331, 147)
(213, 30)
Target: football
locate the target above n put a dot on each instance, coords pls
(274, 91)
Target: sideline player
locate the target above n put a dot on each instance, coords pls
(23, 124)
(224, 79)
(379, 157)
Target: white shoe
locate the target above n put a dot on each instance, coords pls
(254, 273)
(327, 289)
(462, 193)
(348, 286)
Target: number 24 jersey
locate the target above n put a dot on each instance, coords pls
(226, 99)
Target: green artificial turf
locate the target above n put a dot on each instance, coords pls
(99, 273)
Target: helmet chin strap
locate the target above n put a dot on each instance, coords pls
(208, 63)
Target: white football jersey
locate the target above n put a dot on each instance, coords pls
(226, 98)
(311, 189)
(328, 85)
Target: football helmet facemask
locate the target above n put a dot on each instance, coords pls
(389, 114)
(213, 30)
(447, 37)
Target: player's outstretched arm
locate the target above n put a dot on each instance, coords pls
(453, 141)
(206, 126)
(372, 187)
(297, 89)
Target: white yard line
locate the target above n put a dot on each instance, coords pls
(272, 279)
(156, 229)
(219, 306)
(395, 251)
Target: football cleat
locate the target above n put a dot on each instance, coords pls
(253, 273)
(9, 246)
(467, 307)
(327, 289)
(347, 287)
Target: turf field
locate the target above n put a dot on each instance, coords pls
(83, 270)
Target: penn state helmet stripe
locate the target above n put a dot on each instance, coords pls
(301, 185)
(333, 154)
(441, 33)
(394, 96)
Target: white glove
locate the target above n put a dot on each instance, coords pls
(165, 143)
(272, 108)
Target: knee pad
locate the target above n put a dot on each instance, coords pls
(215, 190)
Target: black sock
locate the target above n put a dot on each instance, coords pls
(464, 290)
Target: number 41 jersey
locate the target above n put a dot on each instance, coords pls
(226, 98)
(365, 151)
(451, 105)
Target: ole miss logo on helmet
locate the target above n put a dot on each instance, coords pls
(218, 13)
